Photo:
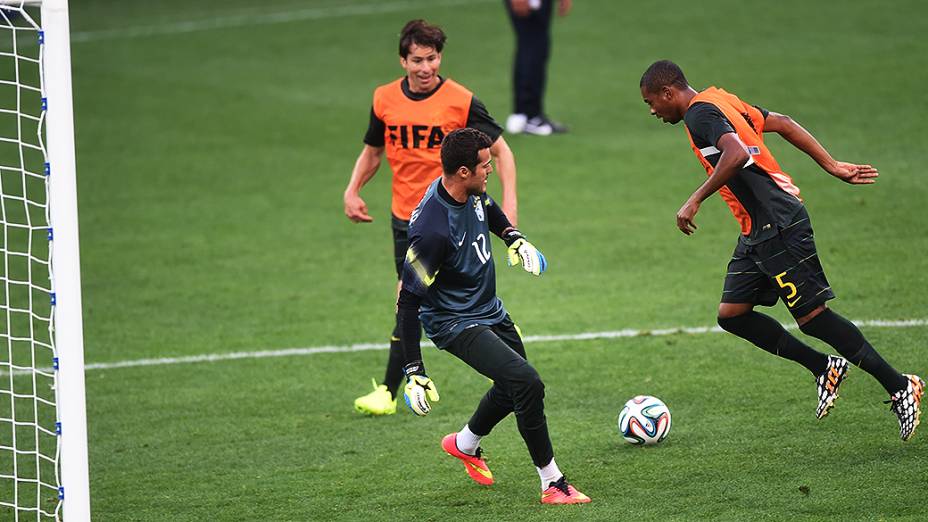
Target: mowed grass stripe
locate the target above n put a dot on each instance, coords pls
(361, 347)
(252, 19)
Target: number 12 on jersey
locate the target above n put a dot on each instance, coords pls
(483, 253)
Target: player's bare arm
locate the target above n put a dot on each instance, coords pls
(364, 169)
(506, 170)
(734, 156)
(803, 140)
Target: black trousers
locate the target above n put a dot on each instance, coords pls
(498, 354)
(529, 70)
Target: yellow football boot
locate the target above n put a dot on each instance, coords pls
(377, 402)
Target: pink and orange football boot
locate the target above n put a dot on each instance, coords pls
(561, 492)
(474, 465)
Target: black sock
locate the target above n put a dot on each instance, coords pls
(846, 338)
(394, 374)
(765, 332)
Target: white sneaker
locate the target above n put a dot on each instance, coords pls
(542, 126)
(515, 123)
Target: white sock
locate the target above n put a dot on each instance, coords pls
(549, 474)
(467, 442)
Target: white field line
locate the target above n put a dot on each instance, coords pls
(253, 19)
(361, 347)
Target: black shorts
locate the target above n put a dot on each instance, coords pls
(400, 243)
(471, 340)
(785, 267)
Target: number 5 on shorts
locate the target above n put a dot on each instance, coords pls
(792, 289)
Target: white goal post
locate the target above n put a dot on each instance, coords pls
(43, 443)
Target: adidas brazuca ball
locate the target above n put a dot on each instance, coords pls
(644, 420)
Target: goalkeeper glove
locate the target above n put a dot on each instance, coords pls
(522, 252)
(419, 389)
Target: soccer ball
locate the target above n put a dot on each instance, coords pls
(644, 420)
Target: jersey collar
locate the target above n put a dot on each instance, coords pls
(419, 96)
(443, 194)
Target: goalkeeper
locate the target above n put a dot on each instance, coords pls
(449, 282)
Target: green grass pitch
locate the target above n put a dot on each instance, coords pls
(211, 165)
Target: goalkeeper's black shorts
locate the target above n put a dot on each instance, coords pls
(785, 267)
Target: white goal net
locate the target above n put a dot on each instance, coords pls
(33, 394)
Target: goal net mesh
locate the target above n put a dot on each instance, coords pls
(29, 428)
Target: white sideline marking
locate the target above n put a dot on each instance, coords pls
(248, 20)
(362, 347)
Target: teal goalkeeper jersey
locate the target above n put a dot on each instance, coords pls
(450, 264)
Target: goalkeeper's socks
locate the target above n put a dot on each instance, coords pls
(767, 333)
(549, 474)
(467, 442)
(846, 338)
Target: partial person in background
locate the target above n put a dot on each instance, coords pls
(409, 118)
(531, 20)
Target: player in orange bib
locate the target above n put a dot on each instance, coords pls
(775, 256)
(409, 118)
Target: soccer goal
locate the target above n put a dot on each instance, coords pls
(43, 428)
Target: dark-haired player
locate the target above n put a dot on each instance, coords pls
(775, 255)
(449, 281)
(409, 118)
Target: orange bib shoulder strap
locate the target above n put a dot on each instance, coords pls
(387, 95)
(748, 123)
(747, 120)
